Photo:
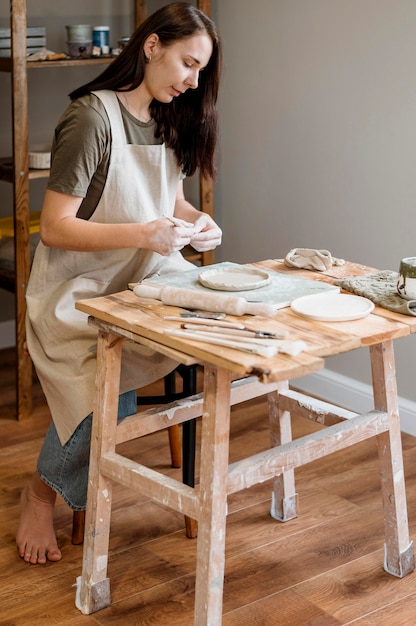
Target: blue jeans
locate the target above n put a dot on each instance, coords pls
(65, 468)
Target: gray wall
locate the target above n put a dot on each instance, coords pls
(318, 137)
(318, 129)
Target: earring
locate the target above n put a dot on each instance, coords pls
(149, 58)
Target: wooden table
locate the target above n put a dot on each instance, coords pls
(231, 376)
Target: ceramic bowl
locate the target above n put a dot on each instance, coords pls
(406, 282)
(79, 49)
(79, 32)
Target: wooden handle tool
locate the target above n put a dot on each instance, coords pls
(265, 351)
(293, 348)
(232, 330)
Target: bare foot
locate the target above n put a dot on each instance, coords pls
(36, 539)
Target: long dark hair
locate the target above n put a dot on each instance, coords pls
(188, 124)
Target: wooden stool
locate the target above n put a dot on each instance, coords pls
(184, 456)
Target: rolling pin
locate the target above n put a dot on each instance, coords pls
(190, 299)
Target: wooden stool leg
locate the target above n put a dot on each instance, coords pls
(175, 445)
(78, 527)
(284, 496)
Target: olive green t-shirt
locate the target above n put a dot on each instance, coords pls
(82, 146)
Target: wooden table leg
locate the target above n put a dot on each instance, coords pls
(399, 552)
(94, 586)
(213, 497)
(284, 496)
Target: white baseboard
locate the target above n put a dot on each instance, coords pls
(353, 395)
(326, 384)
(7, 334)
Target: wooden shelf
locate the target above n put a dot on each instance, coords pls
(6, 64)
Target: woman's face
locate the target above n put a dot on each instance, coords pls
(175, 68)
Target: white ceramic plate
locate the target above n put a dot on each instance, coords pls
(332, 307)
(234, 279)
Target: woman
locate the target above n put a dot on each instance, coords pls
(120, 153)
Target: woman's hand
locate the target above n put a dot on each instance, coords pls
(166, 237)
(207, 234)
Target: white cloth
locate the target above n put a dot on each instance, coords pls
(141, 186)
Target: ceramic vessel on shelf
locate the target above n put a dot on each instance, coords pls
(79, 49)
(79, 32)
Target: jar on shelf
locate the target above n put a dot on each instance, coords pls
(101, 39)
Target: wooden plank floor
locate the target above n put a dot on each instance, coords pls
(323, 568)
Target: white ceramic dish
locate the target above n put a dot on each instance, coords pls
(332, 307)
(234, 279)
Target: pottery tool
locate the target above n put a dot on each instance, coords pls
(265, 351)
(239, 342)
(218, 321)
(194, 314)
(231, 329)
(283, 345)
(228, 333)
(193, 299)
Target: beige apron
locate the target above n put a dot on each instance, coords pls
(141, 186)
